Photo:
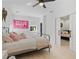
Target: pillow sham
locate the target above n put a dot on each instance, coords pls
(6, 39)
(14, 36)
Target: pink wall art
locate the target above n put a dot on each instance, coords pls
(22, 24)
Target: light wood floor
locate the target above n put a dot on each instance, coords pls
(64, 43)
(55, 53)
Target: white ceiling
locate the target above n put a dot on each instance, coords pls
(24, 7)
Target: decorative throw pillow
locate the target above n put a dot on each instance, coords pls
(14, 36)
(7, 38)
(22, 36)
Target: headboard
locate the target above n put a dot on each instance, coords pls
(5, 30)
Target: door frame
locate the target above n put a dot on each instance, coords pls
(57, 31)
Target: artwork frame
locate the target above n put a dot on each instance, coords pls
(21, 24)
(33, 28)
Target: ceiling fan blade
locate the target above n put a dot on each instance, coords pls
(36, 4)
(48, 0)
(44, 5)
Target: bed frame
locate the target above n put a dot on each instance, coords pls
(46, 36)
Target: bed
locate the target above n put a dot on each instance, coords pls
(27, 45)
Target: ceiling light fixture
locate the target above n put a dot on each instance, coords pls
(41, 4)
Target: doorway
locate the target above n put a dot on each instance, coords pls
(63, 32)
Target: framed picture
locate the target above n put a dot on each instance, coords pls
(22, 24)
(33, 28)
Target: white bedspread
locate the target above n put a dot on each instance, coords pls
(20, 45)
(26, 44)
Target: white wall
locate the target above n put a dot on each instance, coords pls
(21, 12)
(73, 33)
(64, 7)
(32, 21)
(65, 22)
(65, 25)
(49, 22)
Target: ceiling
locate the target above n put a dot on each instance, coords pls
(24, 7)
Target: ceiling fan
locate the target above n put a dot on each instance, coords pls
(41, 3)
